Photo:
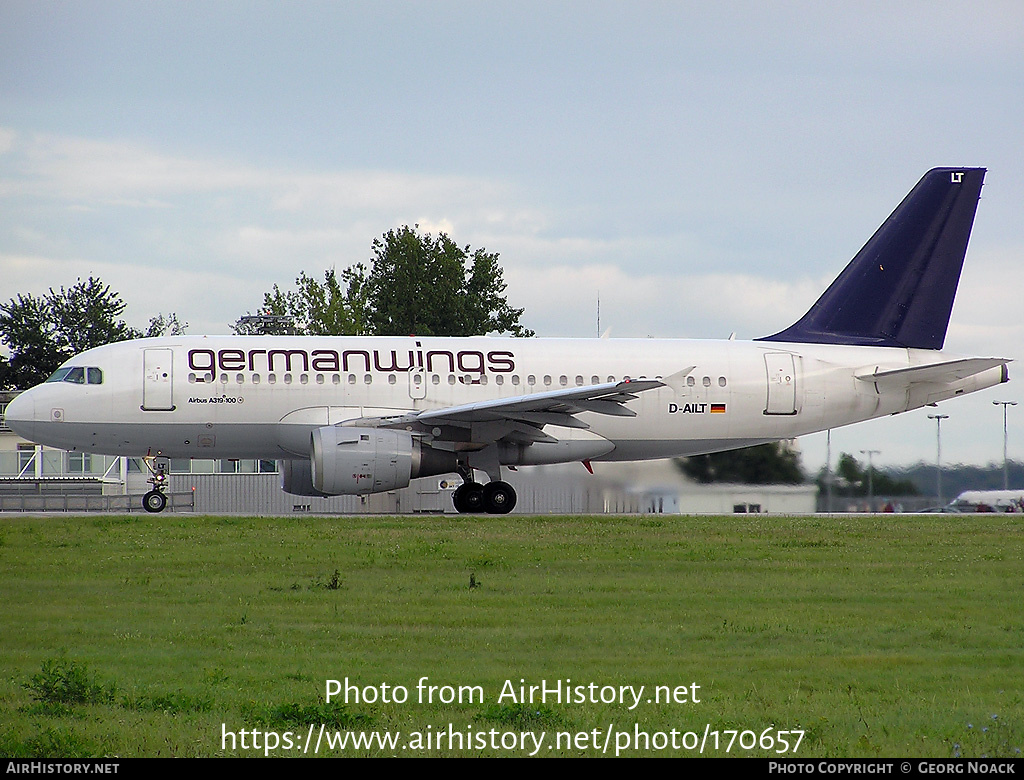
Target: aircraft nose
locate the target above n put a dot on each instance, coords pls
(20, 415)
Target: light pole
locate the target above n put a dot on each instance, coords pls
(1004, 404)
(871, 484)
(938, 451)
(828, 471)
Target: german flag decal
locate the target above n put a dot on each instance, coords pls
(717, 408)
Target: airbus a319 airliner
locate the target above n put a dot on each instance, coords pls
(357, 415)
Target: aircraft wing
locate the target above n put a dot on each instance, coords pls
(519, 418)
(932, 373)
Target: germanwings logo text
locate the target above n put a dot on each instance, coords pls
(468, 361)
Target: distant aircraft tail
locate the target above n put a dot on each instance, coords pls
(898, 291)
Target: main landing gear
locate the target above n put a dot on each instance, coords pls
(496, 498)
(156, 499)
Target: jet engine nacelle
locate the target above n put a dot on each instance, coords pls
(356, 461)
(297, 478)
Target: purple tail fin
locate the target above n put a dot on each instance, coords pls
(898, 291)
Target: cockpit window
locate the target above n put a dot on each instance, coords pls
(77, 375)
(58, 375)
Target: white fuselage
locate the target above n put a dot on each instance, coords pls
(262, 396)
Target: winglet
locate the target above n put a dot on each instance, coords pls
(898, 291)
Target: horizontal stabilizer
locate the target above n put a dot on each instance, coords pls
(933, 373)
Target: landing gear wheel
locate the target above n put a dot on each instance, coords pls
(154, 501)
(499, 498)
(469, 498)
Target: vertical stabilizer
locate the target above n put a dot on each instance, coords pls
(898, 291)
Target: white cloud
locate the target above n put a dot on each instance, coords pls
(7, 138)
(683, 305)
(79, 170)
(77, 205)
(986, 312)
(69, 168)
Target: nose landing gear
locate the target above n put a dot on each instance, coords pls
(156, 499)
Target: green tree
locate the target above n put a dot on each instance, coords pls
(415, 284)
(332, 308)
(41, 332)
(31, 355)
(764, 464)
(159, 325)
(426, 285)
(851, 479)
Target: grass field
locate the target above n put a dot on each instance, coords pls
(150, 636)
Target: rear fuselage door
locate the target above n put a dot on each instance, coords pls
(781, 383)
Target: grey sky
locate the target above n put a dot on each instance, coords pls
(708, 168)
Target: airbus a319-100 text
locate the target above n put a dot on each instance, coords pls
(357, 415)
